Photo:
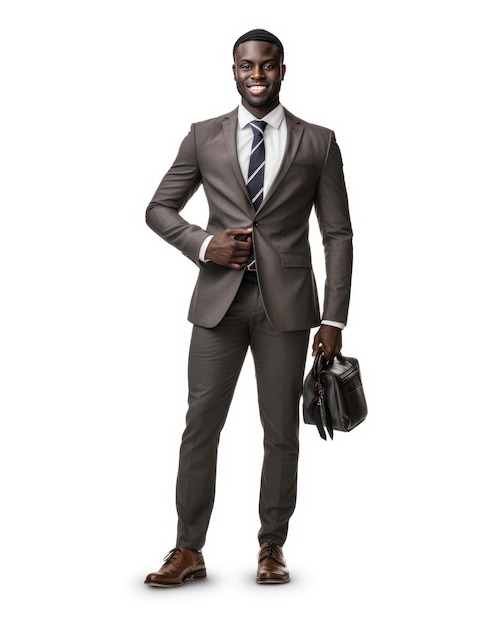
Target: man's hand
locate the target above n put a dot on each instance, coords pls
(225, 250)
(327, 339)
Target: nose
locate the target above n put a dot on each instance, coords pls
(257, 72)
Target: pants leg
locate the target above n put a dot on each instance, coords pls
(215, 361)
(279, 359)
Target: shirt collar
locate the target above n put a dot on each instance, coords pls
(274, 118)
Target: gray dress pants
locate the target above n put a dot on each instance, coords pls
(215, 361)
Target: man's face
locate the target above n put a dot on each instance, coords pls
(258, 72)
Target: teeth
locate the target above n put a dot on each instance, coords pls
(257, 88)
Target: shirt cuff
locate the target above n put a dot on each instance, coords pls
(203, 249)
(336, 324)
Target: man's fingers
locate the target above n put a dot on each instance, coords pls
(244, 237)
(315, 346)
(239, 234)
(243, 244)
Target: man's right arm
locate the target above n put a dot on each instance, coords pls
(163, 216)
(176, 188)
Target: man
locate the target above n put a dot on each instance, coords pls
(262, 170)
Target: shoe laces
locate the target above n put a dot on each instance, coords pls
(175, 552)
(273, 551)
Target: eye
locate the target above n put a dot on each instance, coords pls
(268, 66)
(245, 67)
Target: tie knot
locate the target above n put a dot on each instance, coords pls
(258, 127)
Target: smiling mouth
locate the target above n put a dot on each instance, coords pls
(257, 89)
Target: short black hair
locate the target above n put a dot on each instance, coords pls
(259, 34)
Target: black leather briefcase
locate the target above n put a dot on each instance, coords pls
(333, 395)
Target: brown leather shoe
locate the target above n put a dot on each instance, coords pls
(271, 566)
(179, 565)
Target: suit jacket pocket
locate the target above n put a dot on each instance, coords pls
(295, 259)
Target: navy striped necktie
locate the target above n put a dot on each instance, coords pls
(255, 179)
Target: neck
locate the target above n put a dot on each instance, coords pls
(260, 112)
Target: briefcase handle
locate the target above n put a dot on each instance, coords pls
(321, 362)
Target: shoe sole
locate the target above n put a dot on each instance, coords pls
(271, 581)
(194, 576)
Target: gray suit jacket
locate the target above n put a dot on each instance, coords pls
(311, 174)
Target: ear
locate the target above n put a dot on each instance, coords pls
(234, 72)
(283, 72)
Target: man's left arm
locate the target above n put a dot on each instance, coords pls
(331, 206)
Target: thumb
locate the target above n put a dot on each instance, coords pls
(240, 231)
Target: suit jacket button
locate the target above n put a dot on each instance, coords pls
(256, 224)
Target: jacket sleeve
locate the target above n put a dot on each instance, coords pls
(331, 205)
(176, 188)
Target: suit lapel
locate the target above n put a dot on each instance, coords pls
(294, 134)
(230, 134)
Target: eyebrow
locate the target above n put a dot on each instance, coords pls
(272, 60)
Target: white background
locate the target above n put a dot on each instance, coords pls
(397, 522)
